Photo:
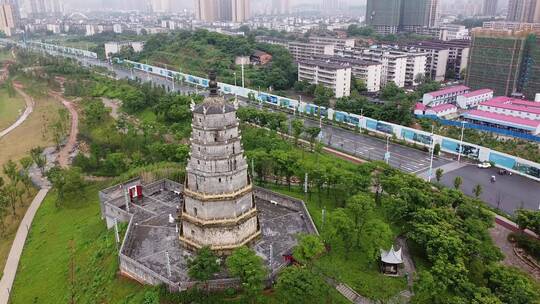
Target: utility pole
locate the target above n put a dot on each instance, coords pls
(461, 141)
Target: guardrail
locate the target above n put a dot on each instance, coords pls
(511, 163)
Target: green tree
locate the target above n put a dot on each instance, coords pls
(437, 149)
(438, 174)
(457, 182)
(309, 248)
(528, 219)
(245, 264)
(203, 267)
(312, 133)
(38, 158)
(297, 129)
(299, 285)
(511, 286)
(477, 190)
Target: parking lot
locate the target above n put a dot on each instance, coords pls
(507, 193)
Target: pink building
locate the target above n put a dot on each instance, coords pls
(512, 107)
(442, 110)
(444, 96)
(474, 98)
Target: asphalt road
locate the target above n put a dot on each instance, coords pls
(507, 193)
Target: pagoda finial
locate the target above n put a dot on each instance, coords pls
(213, 85)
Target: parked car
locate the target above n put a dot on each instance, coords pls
(484, 165)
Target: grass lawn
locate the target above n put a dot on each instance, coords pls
(10, 108)
(17, 144)
(5, 55)
(66, 238)
(354, 269)
(73, 236)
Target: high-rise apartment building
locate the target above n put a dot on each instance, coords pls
(280, 7)
(490, 7)
(7, 19)
(161, 6)
(45, 7)
(503, 60)
(222, 10)
(524, 11)
(419, 13)
(384, 15)
(389, 16)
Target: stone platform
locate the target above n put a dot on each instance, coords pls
(150, 236)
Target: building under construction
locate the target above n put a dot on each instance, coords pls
(504, 60)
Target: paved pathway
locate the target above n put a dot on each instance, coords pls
(63, 156)
(29, 108)
(10, 270)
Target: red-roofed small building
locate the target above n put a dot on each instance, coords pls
(474, 98)
(419, 109)
(444, 96)
(442, 110)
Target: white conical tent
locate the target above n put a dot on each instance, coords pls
(391, 256)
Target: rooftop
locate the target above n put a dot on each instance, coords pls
(151, 236)
(442, 108)
(449, 90)
(477, 93)
(214, 105)
(502, 119)
(515, 104)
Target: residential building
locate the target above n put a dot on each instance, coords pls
(272, 40)
(436, 61)
(335, 76)
(222, 10)
(394, 63)
(384, 15)
(241, 10)
(490, 7)
(390, 16)
(7, 19)
(416, 68)
(503, 61)
(524, 11)
(338, 43)
(456, 32)
(370, 72)
(54, 28)
(511, 25)
(117, 28)
(280, 7)
(444, 96)
(474, 98)
(419, 14)
(303, 51)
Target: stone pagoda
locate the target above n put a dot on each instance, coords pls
(219, 210)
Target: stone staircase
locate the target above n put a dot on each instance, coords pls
(351, 295)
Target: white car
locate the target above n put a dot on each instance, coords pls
(484, 165)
